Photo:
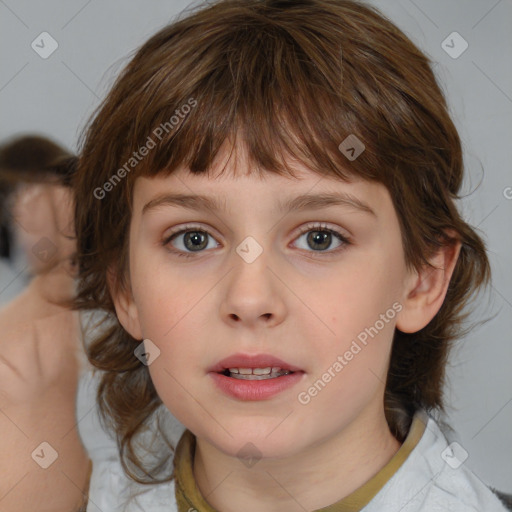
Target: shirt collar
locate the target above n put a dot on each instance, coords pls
(189, 497)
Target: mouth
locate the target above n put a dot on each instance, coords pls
(255, 373)
(254, 367)
(254, 377)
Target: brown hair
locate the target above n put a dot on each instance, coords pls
(292, 79)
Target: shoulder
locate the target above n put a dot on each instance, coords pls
(461, 491)
(435, 477)
(455, 486)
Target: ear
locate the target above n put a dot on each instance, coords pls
(125, 306)
(426, 290)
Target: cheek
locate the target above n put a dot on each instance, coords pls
(352, 299)
(168, 294)
(169, 309)
(356, 318)
(163, 303)
(178, 373)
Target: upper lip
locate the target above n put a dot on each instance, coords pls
(252, 361)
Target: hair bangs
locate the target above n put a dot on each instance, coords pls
(261, 91)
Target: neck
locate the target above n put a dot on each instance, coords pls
(325, 474)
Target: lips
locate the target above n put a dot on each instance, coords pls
(254, 377)
(253, 361)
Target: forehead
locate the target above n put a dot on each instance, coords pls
(241, 188)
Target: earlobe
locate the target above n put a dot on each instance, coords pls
(426, 290)
(126, 309)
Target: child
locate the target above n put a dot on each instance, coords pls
(265, 207)
(24, 172)
(43, 463)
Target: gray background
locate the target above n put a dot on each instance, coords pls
(55, 96)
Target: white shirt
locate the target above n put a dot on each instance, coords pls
(433, 479)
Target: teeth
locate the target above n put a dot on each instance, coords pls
(257, 373)
(261, 371)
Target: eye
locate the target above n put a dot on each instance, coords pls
(193, 239)
(320, 238)
(190, 238)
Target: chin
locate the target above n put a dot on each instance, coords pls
(262, 449)
(256, 442)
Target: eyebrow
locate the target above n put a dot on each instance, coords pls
(302, 202)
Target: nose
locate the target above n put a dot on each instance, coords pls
(253, 294)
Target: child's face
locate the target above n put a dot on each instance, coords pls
(43, 216)
(302, 300)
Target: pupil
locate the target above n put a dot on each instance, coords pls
(320, 237)
(197, 238)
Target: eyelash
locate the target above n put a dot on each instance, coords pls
(346, 241)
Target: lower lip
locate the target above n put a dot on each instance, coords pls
(255, 389)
